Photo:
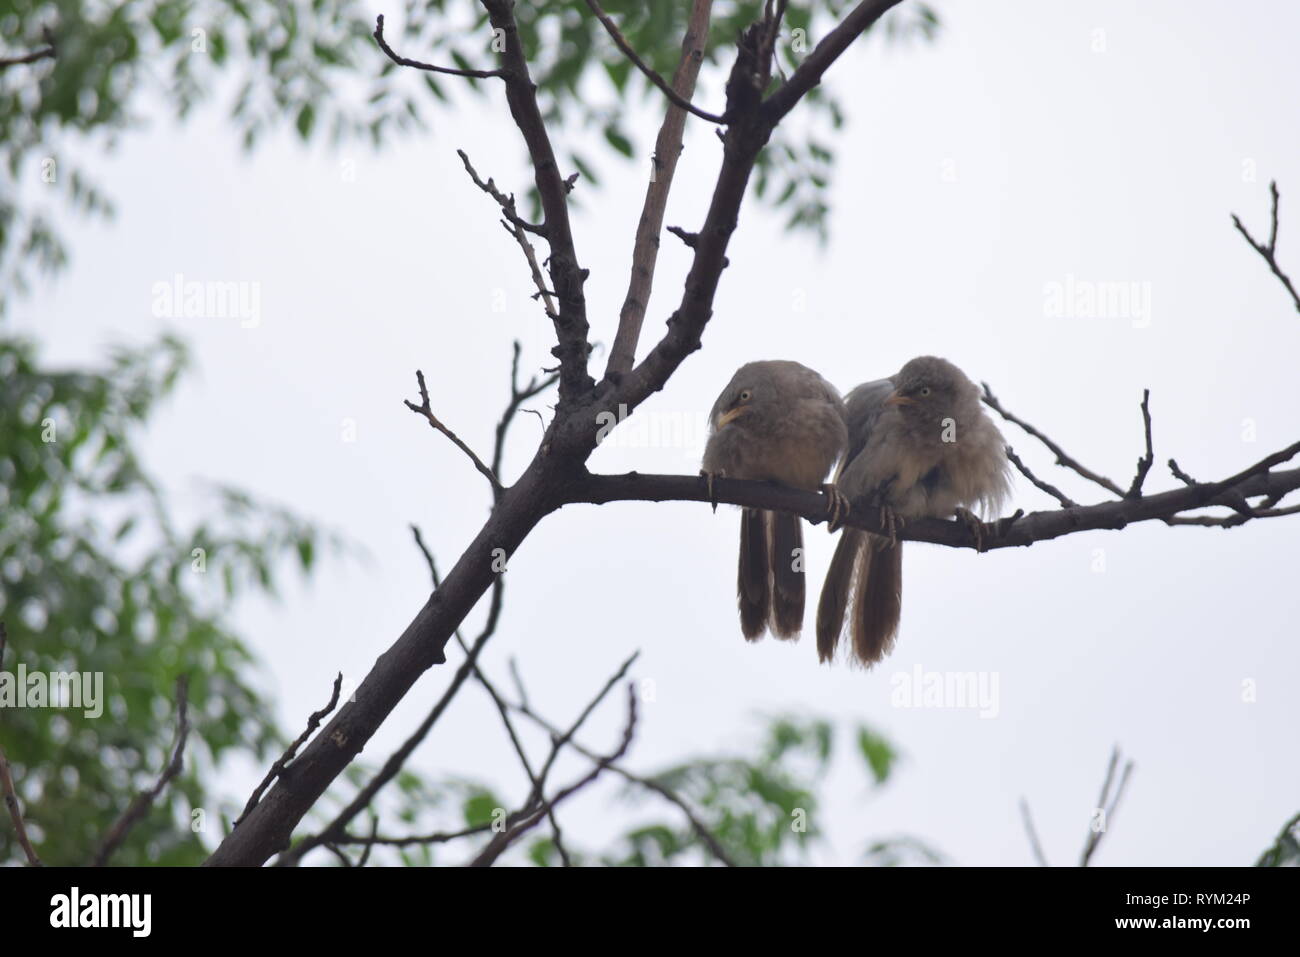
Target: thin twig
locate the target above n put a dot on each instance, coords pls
(7, 788)
(426, 410)
(1034, 843)
(1269, 252)
(1051, 490)
(1144, 463)
(518, 227)
(709, 839)
(526, 819)
(282, 762)
(429, 67)
(1106, 805)
(143, 801)
(409, 840)
(678, 100)
(1061, 458)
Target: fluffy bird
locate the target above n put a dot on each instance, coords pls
(776, 421)
(920, 446)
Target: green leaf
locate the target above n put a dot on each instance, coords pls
(878, 753)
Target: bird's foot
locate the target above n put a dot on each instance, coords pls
(709, 477)
(892, 522)
(973, 523)
(837, 506)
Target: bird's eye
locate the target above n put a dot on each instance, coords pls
(925, 390)
(746, 395)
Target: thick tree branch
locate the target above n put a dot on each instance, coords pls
(668, 147)
(541, 489)
(815, 65)
(567, 276)
(1006, 533)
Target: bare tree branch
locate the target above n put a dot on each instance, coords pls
(1034, 844)
(7, 789)
(143, 801)
(335, 831)
(668, 146)
(557, 475)
(526, 819)
(1061, 458)
(679, 99)
(1144, 463)
(517, 227)
(282, 762)
(1269, 251)
(709, 839)
(426, 410)
(1106, 806)
(567, 277)
(47, 52)
(1052, 490)
(428, 67)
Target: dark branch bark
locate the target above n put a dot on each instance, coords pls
(427, 67)
(567, 276)
(1269, 250)
(1006, 533)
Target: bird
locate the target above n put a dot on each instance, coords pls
(920, 446)
(776, 421)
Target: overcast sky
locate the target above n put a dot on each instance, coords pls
(1034, 149)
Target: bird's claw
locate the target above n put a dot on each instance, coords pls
(973, 523)
(837, 506)
(709, 477)
(892, 522)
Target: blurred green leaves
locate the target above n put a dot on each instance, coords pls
(97, 576)
(312, 66)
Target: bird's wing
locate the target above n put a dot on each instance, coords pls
(864, 404)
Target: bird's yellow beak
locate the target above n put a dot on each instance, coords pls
(731, 414)
(897, 398)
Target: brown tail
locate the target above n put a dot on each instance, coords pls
(878, 602)
(753, 593)
(836, 591)
(787, 574)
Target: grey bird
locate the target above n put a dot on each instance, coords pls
(776, 421)
(920, 446)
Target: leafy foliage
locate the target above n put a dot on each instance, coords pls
(312, 66)
(96, 577)
(1285, 851)
(764, 809)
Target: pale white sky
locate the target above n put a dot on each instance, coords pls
(973, 173)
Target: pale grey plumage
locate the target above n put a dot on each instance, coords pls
(776, 421)
(921, 446)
